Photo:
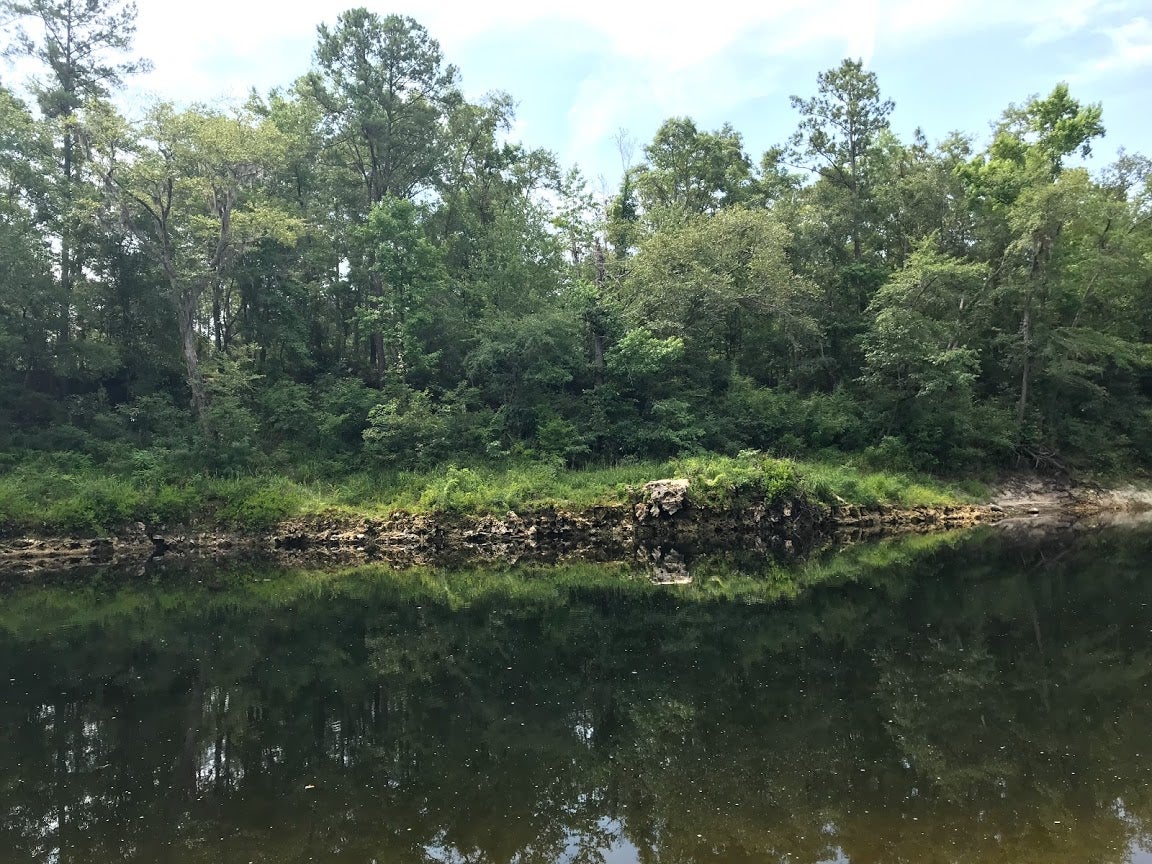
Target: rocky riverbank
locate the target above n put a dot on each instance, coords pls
(660, 517)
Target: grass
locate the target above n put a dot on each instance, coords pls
(71, 494)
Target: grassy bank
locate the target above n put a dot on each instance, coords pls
(73, 495)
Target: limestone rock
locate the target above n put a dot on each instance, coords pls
(662, 499)
(669, 567)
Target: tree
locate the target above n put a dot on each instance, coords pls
(623, 219)
(835, 220)
(27, 298)
(386, 94)
(75, 43)
(715, 281)
(689, 172)
(920, 354)
(1091, 334)
(289, 298)
(918, 193)
(408, 267)
(1018, 188)
(190, 189)
(837, 131)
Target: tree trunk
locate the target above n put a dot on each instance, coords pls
(217, 316)
(1040, 249)
(595, 322)
(64, 334)
(398, 327)
(857, 218)
(186, 318)
(376, 340)
(1026, 373)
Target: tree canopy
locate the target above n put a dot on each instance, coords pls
(363, 267)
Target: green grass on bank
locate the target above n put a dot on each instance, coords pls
(64, 493)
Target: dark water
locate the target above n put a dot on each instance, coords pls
(928, 700)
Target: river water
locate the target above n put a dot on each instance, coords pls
(951, 698)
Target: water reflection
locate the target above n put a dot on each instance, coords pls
(925, 700)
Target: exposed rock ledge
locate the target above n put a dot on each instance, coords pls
(661, 515)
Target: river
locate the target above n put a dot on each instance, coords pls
(980, 697)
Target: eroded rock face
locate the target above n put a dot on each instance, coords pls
(599, 533)
(667, 566)
(27, 557)
(661, 518)
(662, 499)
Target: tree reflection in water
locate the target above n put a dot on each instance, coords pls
(943, 699)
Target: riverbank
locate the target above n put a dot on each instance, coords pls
(69, 495)
(766, 504)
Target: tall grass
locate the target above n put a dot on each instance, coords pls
(71, 494)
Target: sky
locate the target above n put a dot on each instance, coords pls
(582, 70)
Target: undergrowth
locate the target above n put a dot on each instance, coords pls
(69, 493)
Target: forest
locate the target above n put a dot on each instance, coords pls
(361, 271)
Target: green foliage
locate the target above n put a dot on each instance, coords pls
(846, 483)
(231, 385)
(752, 476)
(258, 503)
(556, 437)
(174, 504)
(723, 285)
(404, 268)
(689, 173)
(789, 423)
(412, 429)
(69, 493)
(460, 489)
(836, 141)
(364, 272)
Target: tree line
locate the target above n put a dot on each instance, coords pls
(362, 265)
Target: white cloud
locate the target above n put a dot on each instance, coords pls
(1043, 21)
(684, 62)
(1053, 24)
(1131, 49)
(655, 60)
(260, 40)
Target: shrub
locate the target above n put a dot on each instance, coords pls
(175, 504)
(258, 507)
(459, 489)
(751, 476)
